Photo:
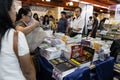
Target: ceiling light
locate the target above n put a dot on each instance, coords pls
(94, 4)
(48, 0)
(101, 10)
(75, 0)
(71, 3)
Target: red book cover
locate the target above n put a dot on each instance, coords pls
(76, 51)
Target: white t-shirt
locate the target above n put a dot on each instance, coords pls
(9, 65)
(78, 23)
(90, 23)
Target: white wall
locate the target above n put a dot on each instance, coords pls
(18, 5)
(87, 11)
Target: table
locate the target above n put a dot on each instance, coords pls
(103, 70)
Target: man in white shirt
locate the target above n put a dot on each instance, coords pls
(78, 23)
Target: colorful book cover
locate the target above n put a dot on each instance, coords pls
(86, 56)
(57, 61)
(76, 51)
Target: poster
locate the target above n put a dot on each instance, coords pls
(117, 12)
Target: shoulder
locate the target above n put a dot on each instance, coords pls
(20, 23)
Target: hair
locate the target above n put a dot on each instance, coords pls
(5, 20)
(95, 14)
(79, 8)
(90, 17)
(63, 13)
(35, 15)
(24, 10)
(51, 17)
(44, 19)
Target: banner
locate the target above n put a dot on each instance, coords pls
(117, 12)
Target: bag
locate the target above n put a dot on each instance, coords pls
(15, 47)
(115, 48)
(35, 38)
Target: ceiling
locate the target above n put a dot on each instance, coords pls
(63, 3)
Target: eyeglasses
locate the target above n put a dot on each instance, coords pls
(29, 16)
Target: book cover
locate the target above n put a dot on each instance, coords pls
(57, 61)
(65, 66)
(76, 51)
(86, 56)
(85, 43)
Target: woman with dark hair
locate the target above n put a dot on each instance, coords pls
(24, 17)
(10, 67)
(46, 22)
(35, 16)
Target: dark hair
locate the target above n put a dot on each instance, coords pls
(90, 17)
(51, 17)
(35, 15)
(5, 20)
(63, 13)
(24, 10)
(95, 14)
(79, 8)
(45, 18)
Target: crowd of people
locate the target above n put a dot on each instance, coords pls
(21, 68)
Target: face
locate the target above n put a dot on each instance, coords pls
(46, 18)
(27, 17)
(36, 16)
(12, 12)
(77, 12)
(62, 16)
(41, 18)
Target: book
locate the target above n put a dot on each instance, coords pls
(62, 67)
(57, 61)
(86, 56)
(85, 43)
(76, 50)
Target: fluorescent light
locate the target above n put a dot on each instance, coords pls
(84, 2)
(100, 6)
(75, 0)
(101, 10)
(48, 0)
(94, 4)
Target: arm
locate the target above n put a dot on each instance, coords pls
(28, 29)
(80, 25)
(27, 67)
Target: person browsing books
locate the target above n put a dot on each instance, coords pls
(78, 23)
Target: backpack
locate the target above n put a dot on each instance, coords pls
(115, 48)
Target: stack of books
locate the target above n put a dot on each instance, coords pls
(62, 67)
(82, 54)
(117, 68)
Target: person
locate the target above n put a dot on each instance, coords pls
(41, 20)
(78, 24)
(35, 16)
(89, 25)
(52, 22)
(23, 19)
(62, 23)
(102, 24)
(10, 68)
(95, 25)
(46, 23)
